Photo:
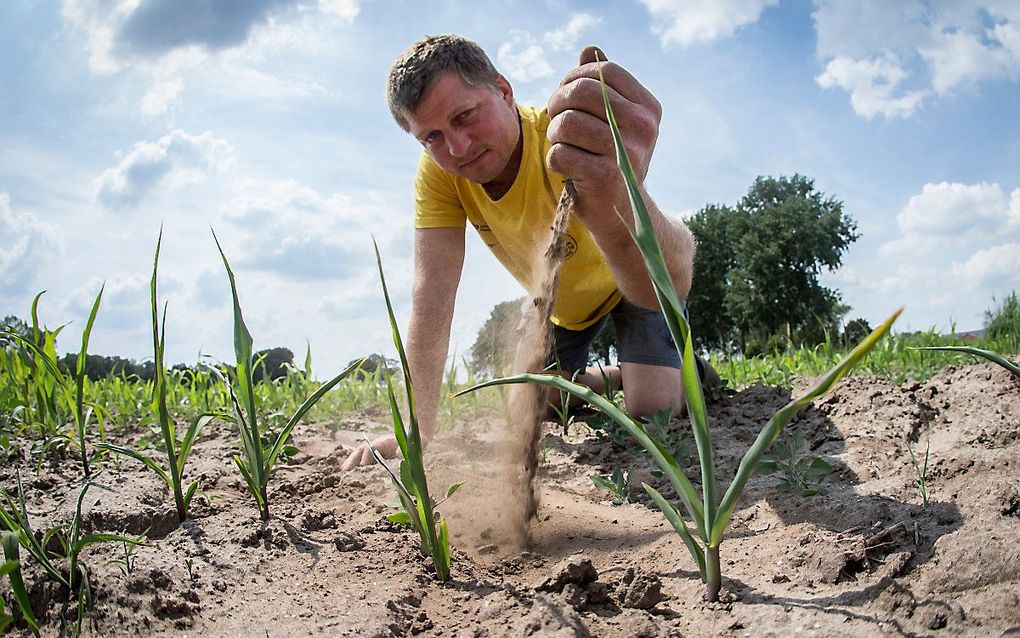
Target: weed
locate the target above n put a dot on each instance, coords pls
(800, 472)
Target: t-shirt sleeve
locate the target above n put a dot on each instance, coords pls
(436, 202)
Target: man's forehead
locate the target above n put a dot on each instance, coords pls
(447, 95)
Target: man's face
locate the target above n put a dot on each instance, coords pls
(470, 131)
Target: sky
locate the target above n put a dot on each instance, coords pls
(266, 121)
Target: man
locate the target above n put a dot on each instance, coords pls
(502, 167)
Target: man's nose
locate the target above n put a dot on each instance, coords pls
(457, 143)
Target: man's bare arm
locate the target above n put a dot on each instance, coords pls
(439, 260)
(582, 149)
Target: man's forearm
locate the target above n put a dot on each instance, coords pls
(427, 345)
(624, 257)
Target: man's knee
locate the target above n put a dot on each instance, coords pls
(648, 389)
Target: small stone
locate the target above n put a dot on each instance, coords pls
(576, 597)
(640, 590)
(576, 569)
(346, 542)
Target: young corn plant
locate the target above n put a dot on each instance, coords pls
(709, 514)
(57, 551)
(177, 450)
(419, 509)
(52, 385)
(260, 456)
(921, 468)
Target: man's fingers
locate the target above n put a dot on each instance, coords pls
(356, 458)
(591, 53)
(585, 94)
(617, 78)
(582, 129)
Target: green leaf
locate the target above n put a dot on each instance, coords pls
(400, 518)
(674, 518)
(978, 352)
(139, 456)
(281, 439)
(775, 425)
(453, 489)
(12, 556)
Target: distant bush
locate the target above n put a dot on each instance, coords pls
(1002, 323)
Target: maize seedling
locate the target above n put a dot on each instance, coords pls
(256, 466)
(48, 379)
(412, 487)
(709, 514)
(177, 451)
(68, 541)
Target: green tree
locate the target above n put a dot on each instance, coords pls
(760, 262)
(716, 229)
(493, 347)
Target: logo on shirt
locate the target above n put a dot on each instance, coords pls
(569, 246)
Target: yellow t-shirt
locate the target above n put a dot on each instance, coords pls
(516, 227)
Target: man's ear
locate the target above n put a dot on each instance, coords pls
(505, 90)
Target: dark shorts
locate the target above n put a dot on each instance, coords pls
(641, 337)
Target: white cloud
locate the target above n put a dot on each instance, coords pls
(958, 57)
(293, 231)
(177, 158)
(950, 209)
(956, 239)
(521, 58)
(159, 98)
(995, 266)
(126, 300)
(345, 9)
(891, 56)
(687, 22)
(566, 39)
(26, 245)
(871, 84)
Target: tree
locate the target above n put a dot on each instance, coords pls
(272, 363)
(493, 347)
(715, 228)
(854, 332)
(759, 266)
(372, 363)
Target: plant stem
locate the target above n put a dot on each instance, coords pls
(713, 575)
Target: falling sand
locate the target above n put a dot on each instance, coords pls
(527, 403)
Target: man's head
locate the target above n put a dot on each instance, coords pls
(445, 92)
(420, 66)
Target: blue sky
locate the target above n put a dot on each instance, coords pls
(266, 120)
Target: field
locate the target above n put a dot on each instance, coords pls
(867, 558)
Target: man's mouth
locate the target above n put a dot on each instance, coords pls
(474, 161)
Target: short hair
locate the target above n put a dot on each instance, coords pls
(417, 69)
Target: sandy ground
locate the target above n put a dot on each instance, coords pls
(865, 559)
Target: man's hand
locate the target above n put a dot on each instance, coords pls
(582, 144)
(386, 445)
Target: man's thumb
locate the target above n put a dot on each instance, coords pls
(591, 53)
